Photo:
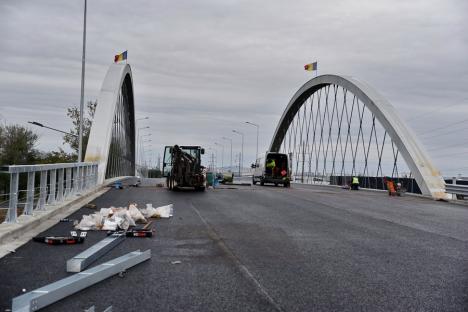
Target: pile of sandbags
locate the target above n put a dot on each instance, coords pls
(121, 218)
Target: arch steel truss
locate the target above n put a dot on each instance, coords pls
(112, 138)
(336, 127)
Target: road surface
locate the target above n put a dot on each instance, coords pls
(270, 249)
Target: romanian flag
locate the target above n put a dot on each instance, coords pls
(120, 57)
(311, 67)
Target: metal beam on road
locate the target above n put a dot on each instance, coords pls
(44, 296)
(84, 259)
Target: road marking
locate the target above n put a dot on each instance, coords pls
(214, 235)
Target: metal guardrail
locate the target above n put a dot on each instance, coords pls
(457, 189)
(65, 180)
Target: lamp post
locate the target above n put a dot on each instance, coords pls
(41, 125)
(137, 156)
(241, 160)
(230, 140)
(83, 58)
(258, 128)
(222, 154)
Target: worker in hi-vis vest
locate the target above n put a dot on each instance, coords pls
(355, 184)
(271, 164)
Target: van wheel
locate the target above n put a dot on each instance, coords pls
(262, 183)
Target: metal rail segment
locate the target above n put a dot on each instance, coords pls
(44, 296)
(325, 124)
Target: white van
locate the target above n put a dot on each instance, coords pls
(278, 174)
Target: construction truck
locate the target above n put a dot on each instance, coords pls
(182, 167)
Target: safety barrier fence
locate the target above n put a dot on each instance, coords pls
(459, 188)
(57, 183)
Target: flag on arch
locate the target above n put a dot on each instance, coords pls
(120, 57)
(311, 66)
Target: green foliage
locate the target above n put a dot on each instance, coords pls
(57, 157)
(74, 114)
(17, 145)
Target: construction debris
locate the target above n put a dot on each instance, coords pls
(160, 212)
(62, 240)
(122, 218)
(84, 259)
(44, 296)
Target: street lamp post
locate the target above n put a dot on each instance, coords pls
(83, 58)
(41, 125)
(258, 128)
(241, 161)
(230, 140)
(137, 152)
(222, 154)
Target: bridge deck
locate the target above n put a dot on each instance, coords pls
(266, 249)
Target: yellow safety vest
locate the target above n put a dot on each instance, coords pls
(271, 164)
(355, 180)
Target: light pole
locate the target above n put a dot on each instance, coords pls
(258, 128)
(41, 125)
(230, 140)
(137, 151)
(222, 154)
(241, 161)
(80, 139)
(137, 156)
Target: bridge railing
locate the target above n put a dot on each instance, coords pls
(458, 189)
(57, 183)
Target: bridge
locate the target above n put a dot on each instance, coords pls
(316, 246)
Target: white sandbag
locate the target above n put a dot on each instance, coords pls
(135, 213)
(111, 224)
(124, 213)
(149, 211)
(123, 222)
(90, 222)
(165, 211)
(105, 212)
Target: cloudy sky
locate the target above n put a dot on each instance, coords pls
(202, 68)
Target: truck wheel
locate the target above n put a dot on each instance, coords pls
(287, 184)
(254, 182)
(276, 184)
(262, 183)
(168, 183)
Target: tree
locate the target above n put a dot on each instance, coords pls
(17, 145)
(74, 114)
(57, 157)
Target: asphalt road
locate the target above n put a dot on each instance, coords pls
(270, 249)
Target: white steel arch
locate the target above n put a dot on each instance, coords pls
(116, 92)
(425, 173)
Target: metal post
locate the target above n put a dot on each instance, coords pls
(53, 181)
(258, 129)
(11, 214)
(68, 181)
(42, 191)
(30, 194)
(60, 185)
(96, 174)
(230, 140)
(76, 180)
(80, 140)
